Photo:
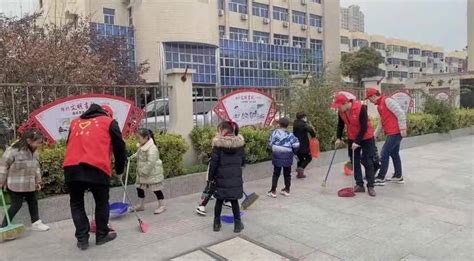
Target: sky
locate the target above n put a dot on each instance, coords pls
(438, 22)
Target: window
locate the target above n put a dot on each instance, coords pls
(404, 75)
(378, 46)
(414, 51)
(345, 40)
(423, 65)
(316, 1)
(109, 16)
(279, 39)
(299, 42)
(414, 64)
(403, 49)
(315, 20)
(299, 17)
(221, 31)
(238, 34)
(280, 13)
(435, 66)
(261, 37)
(201, 58)
(427, 54)
(260, 10)
(360, 43)
(239, 6)
(220, 4)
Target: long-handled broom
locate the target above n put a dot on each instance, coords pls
(249, 200)
(329, 168)
(143, 225)
(11, 231)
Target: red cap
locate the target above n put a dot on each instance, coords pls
(109, 110)
(370, 92)
(339, 100)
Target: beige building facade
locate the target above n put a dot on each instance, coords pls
(352, 19)
(235, 43)
(470, 34)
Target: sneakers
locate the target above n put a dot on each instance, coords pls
(398, 180)
(371, 192)
(201, 210)
(111, 236)
(39, 226)
(379, 182)
(160, 210)
(227, 204)
(271, 194)
(238, 226)
(285, 192)
(359, 189)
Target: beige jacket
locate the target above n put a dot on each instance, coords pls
(150, 167)
(20, 170)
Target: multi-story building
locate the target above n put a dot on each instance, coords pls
(470, 34)
(456, 62)
(232, 43)
(352, 19)
(403, 59)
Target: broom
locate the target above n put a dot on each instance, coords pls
(11, 231)
(329, 168)
(249, 200)
(143, 226)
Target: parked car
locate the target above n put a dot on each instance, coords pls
(157, 113)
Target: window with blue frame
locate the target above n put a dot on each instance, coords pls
(249, 64)
(239, 6)
(280, 39)
(201, 58)
(261, 37)
(109, 15)
(299, 42)
(315, 20)
(280, 13)
(260, 10)
(238, 34)
(299, 17)
(221, 31)
(220, 4)
(109, 30)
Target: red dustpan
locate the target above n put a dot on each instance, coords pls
(348, 192)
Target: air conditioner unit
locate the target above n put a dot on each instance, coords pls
(221, 12)
(298, 46)
(225, 36)
(244, 39)
(286, 24)
(304, 27)
(266, 20)
(320, 29)
(303, 2)
(261, 41)
(244, 17)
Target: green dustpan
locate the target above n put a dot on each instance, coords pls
(11, 231)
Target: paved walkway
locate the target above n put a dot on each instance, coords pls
(428, 218)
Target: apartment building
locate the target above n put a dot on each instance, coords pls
(232, 43)
(352, 19)
(456, 62)
(403, 59)
(470, 34)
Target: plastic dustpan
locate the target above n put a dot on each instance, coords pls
(346, 192)
(118, 209)
(229, 218)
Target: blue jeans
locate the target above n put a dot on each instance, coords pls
(391, 149)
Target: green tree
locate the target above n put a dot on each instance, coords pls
(361, 64)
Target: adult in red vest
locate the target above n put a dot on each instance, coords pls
(353, 115)
(87, 166)
(394, 123)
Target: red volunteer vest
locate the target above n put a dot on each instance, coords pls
(351, 119)
(388, 119)
(90, 143)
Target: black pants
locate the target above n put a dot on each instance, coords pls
(218, 209)
(304, 159)
(159, 194)
(79, 216)
(367, 149)
(286, 175)
(17, 202)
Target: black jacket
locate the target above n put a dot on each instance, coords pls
(89, 174)
(225, 167)
(301, 130)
